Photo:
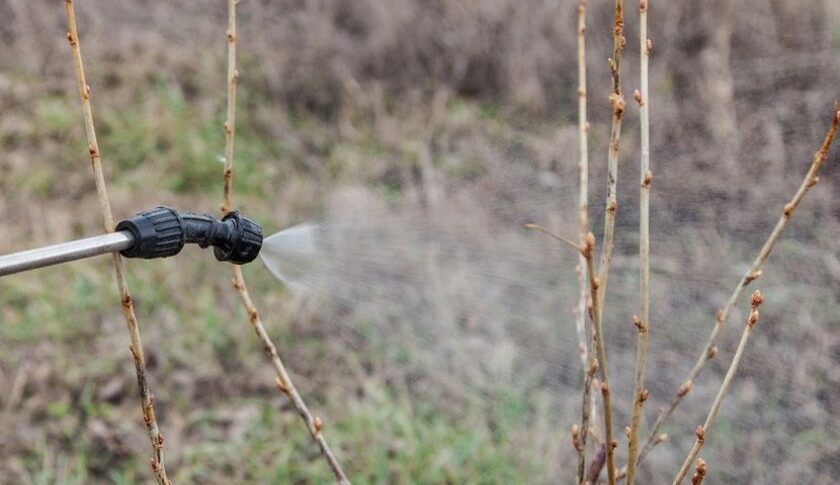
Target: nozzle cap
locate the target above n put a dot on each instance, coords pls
(245, 244)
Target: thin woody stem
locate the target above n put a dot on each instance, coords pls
(284, 383)
(702, 432)
(583, 169)
(588, 254)
(583, 222)
(136, 346)
(754, 272)
(617, 102)
(640, 394)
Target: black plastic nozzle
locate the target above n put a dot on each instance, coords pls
(162, 232)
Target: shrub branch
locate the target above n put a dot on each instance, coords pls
(283, 381)
(583, 221)
(136, 346)
(702, 432)
(640, 394)
(617, 103)
(754, 272)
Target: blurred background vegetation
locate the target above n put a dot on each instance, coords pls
(400, 99)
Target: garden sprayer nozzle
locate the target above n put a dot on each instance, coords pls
(162, 232)
(156, 233)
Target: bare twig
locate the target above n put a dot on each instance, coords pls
(702, 432)
(583, 221)
(640, 394)
(597, 359)
(283, 381)
(136, 346)
(597, 465)
(588, 254)
(564, 240)
(699, 472)
(583, 168)
(617, 102)
(754, 272)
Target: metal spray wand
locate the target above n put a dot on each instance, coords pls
(156, 233)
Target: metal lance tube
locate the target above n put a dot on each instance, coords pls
(65, 252)
(157, 233)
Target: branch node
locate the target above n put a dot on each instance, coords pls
(685, 388)
(700, 432)
(647, 180)
(712, 353)
(699, 473)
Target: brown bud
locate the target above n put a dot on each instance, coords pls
(637, 95)
(647, 179)
(700, 433)
(588, 246)
(699, 473)
(638, 323)
(318, 424)
(617, 102)
(627, 431)
(643, 396)
(614, 444)
(576, 437)
(661, 437)
(788, 210)
(593, 366)
(605, 389)
(643, 5)
(649, 46)
(753, 318)
(713, 351)
(752, 277)
(685, 388)
(814, 181)
(720, 315)
(757, 299)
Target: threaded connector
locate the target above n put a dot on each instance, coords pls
(157, 233)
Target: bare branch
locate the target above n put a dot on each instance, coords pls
(583, 221)
(702, 432)
(564, 240)
(640, 394)
(617, 102)
(284, 382)
(136, 346)
(754, 272)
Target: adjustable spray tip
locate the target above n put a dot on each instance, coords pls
(162, 232)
